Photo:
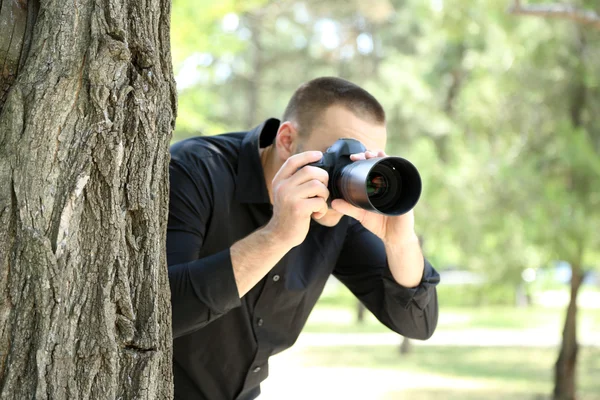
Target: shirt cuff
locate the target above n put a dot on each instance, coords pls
(420, 295)
(214, 282)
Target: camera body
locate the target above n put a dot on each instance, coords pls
(335, 159)
(385, 185)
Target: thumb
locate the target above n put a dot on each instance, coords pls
(348, 209)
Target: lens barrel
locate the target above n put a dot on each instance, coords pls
(388, 185)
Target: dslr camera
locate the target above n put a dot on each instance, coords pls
(386, 185)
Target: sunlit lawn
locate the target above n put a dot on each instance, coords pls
(495, 372)
(427, 372)
(339, 311)
(435, 371)
(328, 318)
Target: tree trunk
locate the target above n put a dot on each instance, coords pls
(405, 346)
(360, 313)
(564, 378)
(565, 367)
(84, 136)
(16, 26)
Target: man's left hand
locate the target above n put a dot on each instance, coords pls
(390, 229)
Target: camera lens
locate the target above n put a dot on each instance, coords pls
(377, 185)
(388, 185)
(388, 196)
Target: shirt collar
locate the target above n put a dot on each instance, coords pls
(250, 186)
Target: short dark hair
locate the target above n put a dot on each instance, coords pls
(312, 98)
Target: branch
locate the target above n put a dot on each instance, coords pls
(564, 11)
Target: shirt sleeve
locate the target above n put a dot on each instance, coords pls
(202, 289)
(363, 268)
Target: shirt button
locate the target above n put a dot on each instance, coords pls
(275, 278)
(260, 323)
(255, 370)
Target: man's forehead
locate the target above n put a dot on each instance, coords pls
(337, 124)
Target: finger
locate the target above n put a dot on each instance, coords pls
(307, 174)
(375, 153)
(318, 215)
(292, 164)
(322, 211)
(313, 188)
(348, 209)
(367, 154)
(316, 207)
(357, 157)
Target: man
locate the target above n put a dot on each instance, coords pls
(251, 242)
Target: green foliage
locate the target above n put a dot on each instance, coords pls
(196, 27)
(497, 111)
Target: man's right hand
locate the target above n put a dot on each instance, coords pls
(299, 193)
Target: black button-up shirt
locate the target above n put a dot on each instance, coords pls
(222, 343)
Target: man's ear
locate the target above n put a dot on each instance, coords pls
(286, 140)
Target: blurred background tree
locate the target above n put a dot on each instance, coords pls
(497, 111)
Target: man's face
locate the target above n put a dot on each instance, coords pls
(337, 122)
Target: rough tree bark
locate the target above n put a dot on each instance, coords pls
(16, 26)
(84, 136)
(565, 367)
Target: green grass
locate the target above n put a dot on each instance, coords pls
(462, 394)
(513, 372)
(334, 318)
(337, 310)
(492, 372)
